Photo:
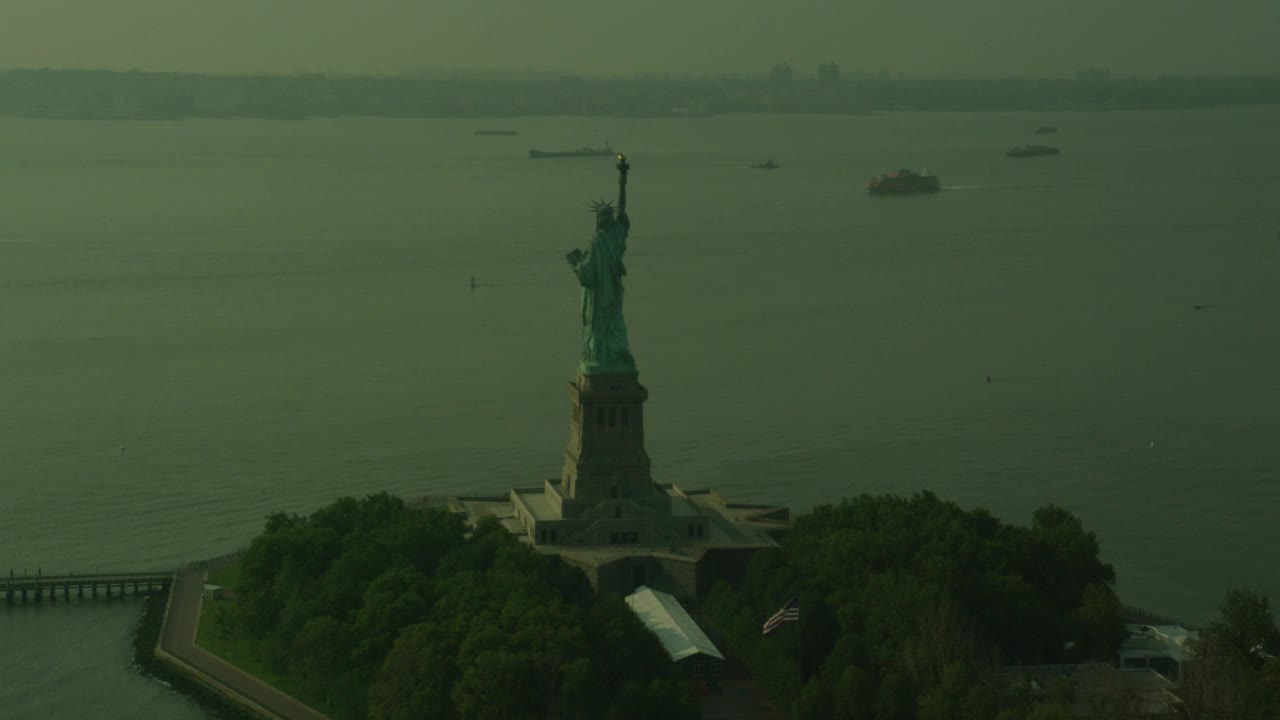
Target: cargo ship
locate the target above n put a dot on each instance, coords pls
(904, 182)
(766, 165)
(1031, 151)
(497, 132)
(580, 152)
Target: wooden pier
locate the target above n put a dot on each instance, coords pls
(38, 588)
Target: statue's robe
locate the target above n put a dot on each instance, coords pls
(605, 348)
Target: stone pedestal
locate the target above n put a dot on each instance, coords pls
(605, 458)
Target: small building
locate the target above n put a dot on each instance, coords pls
(684, 641)
(1163, 648)
(218, 592)
(1095, 689)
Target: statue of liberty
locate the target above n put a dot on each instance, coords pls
(605, 349)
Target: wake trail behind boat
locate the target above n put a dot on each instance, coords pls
(973, 188)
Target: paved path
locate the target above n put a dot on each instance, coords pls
(740, 698)
(179, 641)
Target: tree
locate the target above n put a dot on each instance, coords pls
(667, 698)
(399, 597)
(946, 700)
(1069, 555)
(1096, 624)
(1049, 711)
(1234, 673)
(960, 695)
(1247, 627)
(914, 591)
(1110, 695)
(500, 685)
(1214, 685)
(896, 697)
(943, 638)
(321, 647)
(1271, 675)
(381, 610)
(416, 679)
(854, 694)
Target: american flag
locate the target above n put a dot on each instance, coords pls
(789, 613)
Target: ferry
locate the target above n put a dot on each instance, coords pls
(904, 182)
(1031, 151)
(766, 165)
(497, 132)
(580, 152)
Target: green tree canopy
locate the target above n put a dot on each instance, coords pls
(908, 602)
(384, 611)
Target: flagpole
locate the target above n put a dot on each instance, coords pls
(791, 612)
(799, 654)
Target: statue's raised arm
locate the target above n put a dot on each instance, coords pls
(623, 167)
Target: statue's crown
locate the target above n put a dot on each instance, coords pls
(601, 207)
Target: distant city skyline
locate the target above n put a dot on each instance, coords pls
(800, 73)
(919, 38)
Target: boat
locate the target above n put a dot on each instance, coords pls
(1031, 151)
(904, 182)
(497, 132)
(766, 165)
(580, 152)
(1046, 130)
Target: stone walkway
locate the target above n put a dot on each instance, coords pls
(740, 698)
(179, 641)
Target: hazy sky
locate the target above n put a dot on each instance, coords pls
(922, 37)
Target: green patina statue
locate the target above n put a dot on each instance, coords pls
(605, 349)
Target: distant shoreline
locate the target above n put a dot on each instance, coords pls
(73, 117)
(111, 95)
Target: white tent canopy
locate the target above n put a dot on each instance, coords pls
(664, 615)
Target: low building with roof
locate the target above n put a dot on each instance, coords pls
(1094, 690)
(218, 592)
(634, 551)
(1163, 648)
(680, 635)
